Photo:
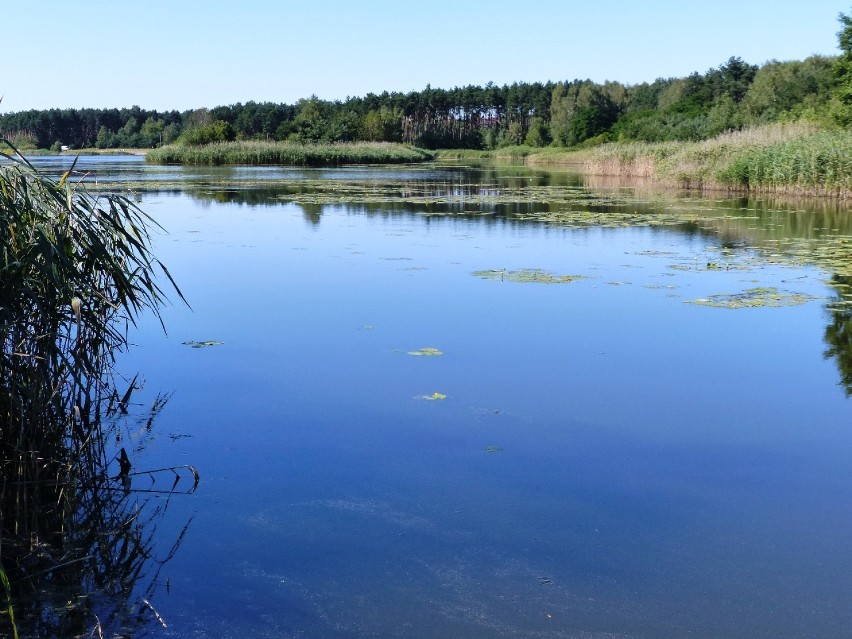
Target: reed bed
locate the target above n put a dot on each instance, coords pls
(504, 153)
(75, 271)
(817, 163)
(288, 153)
(795, 158)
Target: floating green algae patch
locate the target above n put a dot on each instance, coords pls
(426, 351)
(754, 298)
(203, 344)
(436, 396)
(527, 275)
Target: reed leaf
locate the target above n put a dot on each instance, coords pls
(10, 610)
(76, 272)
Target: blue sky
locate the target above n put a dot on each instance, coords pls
(183, 54)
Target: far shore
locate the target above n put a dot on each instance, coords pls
(798, 159)
(91, 151)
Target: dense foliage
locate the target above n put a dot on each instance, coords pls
(75, 270)
(580, 112)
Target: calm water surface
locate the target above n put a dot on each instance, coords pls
(609, 460)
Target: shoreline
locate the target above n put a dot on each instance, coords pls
(797, 159)
(791, 160)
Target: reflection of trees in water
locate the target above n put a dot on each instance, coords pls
(799, 228)
(838, 333)
(442, 190)
(312, 213)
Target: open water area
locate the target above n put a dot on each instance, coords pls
(461, 401)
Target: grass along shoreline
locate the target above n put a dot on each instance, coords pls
(794, 159)
(288, 153)
(787, 159)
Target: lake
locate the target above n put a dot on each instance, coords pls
(460, 401)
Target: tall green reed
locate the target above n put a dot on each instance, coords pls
(254, 152)
(76, 271)
(793, 158)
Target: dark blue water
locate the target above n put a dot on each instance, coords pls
(609, 461)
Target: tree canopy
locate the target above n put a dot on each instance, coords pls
(567, 113)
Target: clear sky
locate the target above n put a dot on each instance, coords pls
(184, 54)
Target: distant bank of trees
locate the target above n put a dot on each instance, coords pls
(579, 112)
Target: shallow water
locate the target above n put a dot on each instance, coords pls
(610, 460)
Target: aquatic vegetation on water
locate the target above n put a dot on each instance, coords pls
(426, 351)
(755, 297)
(203, 344)
(434, 396)
(567, 206)
(493, 449)
(527, 275)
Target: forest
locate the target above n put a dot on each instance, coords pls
(577, 113)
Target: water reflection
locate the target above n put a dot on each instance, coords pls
(838, 332)
(797, 231)
(80, 541)
(608, 461)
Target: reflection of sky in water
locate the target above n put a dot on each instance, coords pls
(666, 469)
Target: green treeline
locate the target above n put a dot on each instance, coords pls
(733, 96)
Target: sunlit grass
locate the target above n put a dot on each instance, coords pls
(782, 158)
(288, 153)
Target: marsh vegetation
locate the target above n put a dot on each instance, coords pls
(793, 159)
(255, 153)
(76, 273)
